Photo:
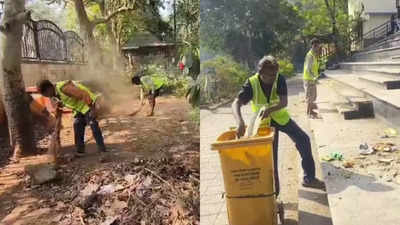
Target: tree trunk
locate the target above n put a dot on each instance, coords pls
(332, 14)
(15, 99)
(111, 36)
(86, 31)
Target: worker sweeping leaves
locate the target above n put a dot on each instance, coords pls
(82, 101)
(151, 86)
(268, 89)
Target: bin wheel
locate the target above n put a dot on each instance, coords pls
(281, 213)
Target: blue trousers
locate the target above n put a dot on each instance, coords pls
(79, 131)
(303, 145)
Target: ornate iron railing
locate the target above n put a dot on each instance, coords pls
(44, 41)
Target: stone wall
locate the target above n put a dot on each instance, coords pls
(33, 72)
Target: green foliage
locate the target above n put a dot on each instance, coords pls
(320, 23)
(195, 116)
(286, 68)
(175, 83)
(228, 78)
(193, 94)
(190, 56)
(42, 11)
(238, 28)
(188, 21)
(71, 22)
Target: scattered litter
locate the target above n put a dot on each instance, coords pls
(385, 160)
(360, 157)
(333, 156)
(385, 147)
(347, 176)
(365, 150)
(348, 164)
(390, 132)
(107, 189)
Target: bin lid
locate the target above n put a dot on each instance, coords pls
(228, 140)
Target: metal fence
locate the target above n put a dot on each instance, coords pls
(376, 35)
(44, 41)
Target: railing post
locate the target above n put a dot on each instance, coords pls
(36, 38)
(387, 30)
(66, 47)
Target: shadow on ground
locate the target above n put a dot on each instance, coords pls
(339, 179)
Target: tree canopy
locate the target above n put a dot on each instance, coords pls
(248, 29)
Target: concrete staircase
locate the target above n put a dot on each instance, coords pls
(365, 87)
(359, 195)
(375, 75)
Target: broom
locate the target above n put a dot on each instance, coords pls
(55, 145)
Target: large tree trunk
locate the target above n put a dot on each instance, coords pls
(16, 101)
(111, 36)
(86, 28)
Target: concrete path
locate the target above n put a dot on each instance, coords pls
(363, 194)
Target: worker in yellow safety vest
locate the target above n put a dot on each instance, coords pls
(82, 101)
(267, 89)
(310, 77)
(150, 86)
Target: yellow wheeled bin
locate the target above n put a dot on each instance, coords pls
(247, 167)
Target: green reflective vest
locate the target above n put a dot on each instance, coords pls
(314, 67)
(259, 100)
(152, 83)
(72, 103)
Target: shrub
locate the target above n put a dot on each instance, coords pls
(286, 68)
(227, 77)
(175, 83)
(195, 116)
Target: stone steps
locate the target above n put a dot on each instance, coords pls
(386, 102)
(384, 81)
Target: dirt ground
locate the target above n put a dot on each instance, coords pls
(150, 174)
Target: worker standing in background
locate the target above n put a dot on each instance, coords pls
(310, 77)
(82, 101)
(268, 89)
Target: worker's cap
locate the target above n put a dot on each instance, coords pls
(269, 61)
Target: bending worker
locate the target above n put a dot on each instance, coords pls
(151, 85)
(268, 89)
(82, 101)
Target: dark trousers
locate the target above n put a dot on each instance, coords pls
(303, 145)
(79, 130)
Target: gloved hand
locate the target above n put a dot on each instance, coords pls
(93, 111)
(241, 129)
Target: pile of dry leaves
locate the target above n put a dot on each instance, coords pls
(138, 192)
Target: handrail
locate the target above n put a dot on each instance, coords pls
(378, 27)
(376, 35)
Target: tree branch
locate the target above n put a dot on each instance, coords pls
(112, 15)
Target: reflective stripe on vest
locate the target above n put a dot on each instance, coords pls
(74, 104)
(259, 100)
(314, 67)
